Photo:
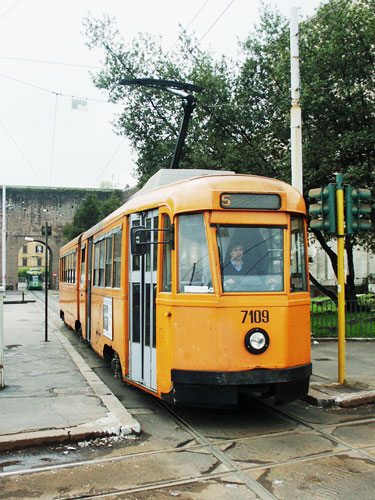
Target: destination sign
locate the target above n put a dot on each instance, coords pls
(250, 201)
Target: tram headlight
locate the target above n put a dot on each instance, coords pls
(257, 341)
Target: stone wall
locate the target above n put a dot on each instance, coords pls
(29, 208)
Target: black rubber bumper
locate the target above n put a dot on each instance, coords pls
(248, 377)
(220, 389)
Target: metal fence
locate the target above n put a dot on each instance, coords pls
(360, 318)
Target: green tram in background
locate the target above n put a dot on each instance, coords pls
(34, 279)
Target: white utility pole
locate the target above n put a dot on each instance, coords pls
(4, 243)
(295, 111)
(2, 370)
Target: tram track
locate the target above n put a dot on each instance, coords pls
(213, 448)
(200, 442)
(227, 462)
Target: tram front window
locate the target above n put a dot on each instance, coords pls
(251, 258)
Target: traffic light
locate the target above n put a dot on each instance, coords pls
(326, 209)
(355, 209)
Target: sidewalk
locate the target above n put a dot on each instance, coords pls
(359, 387)
(50, 393)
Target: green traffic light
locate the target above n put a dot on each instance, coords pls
(326, 209)
(354, 208)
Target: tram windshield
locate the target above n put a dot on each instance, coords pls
(251, 258)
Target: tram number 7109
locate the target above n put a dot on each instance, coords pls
(256, 316)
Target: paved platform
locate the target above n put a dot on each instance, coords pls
(359, 386)
(50, 393)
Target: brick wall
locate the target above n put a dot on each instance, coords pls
(29, 208)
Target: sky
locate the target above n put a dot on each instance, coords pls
(44, 68)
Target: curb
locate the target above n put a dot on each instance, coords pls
(117, 422)
(322, 400)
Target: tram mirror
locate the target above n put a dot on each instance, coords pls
(140, 237)
(138, 240)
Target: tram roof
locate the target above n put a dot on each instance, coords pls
(165, 176)
(198, 191)
(189, 190)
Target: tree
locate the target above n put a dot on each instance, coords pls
(241, 122)
(90, 212)
(86, 215)
(337, 72)
(151, 118)
(108, 206)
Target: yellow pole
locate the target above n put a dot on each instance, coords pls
(340, 278)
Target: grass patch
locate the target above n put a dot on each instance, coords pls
(360, 318)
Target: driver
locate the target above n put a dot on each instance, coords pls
(236, 265)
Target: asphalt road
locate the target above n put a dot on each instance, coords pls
(291, 452)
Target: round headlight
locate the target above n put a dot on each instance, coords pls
(257, 341)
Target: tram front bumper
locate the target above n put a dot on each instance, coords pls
(220, 389)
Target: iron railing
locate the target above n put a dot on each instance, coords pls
(359, 315)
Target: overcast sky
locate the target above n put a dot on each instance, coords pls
(43, 63)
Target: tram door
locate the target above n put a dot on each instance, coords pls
(142, 309)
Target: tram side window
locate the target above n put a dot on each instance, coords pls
(69, 268)
(96, 264)
(62, 270)
(166, 284)
(298, 272)
(193, 262)
(101, 262)
(108, 262)
(83, 265)
(117, 260)
(148, 248)
(74, 267)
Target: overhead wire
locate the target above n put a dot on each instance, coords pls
(57, 63)
(343, 4)
(57, 94)
(104, 101)
(213, 24)
(49, 91)
(190, 23)
(21, 152)
(110, 160)
(9, 9)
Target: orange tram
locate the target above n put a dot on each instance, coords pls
(197, 288)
